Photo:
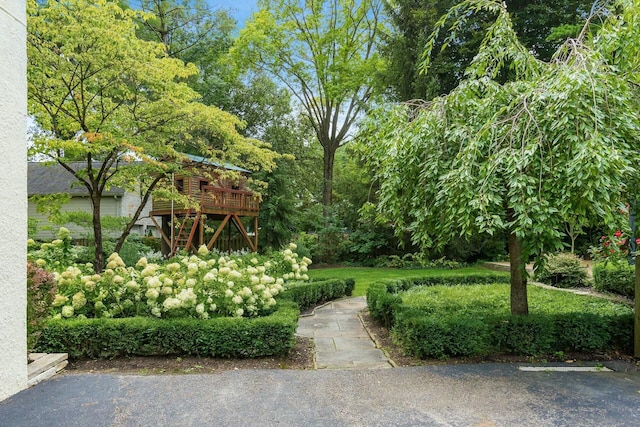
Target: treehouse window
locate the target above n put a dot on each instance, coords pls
(180, 185)
(202, 184)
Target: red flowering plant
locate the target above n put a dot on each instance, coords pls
(614, 249)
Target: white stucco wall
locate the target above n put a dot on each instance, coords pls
(13, 197)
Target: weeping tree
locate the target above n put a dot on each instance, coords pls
(520, 146)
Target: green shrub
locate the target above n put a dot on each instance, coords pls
(425, 336)
(441, 321)
(145, 336)
(616, 278)
(383, 301)
(563, 270)
(312, 294)
(41, 290)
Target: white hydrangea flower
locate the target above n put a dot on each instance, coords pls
(149, 270)
(78, 301)
(235, 274)
(173, 267)
(154, 282)
(142, 262)
(171, 303)
(237, 299)
(230, 284)
(224, 270)
(156, 311)
(209, 277)
(202, 265)
(287, 253)
(40, 262)
(152, 294)
(228, 293)
(253, 260)
(211, 262)
(166, 290)
(239, 312)
(118, 280)
(59, 300)
(203, 251)
(67, 311)
(200, 307)
(213, 307)
(252, 270)
(190, 282)
(192, 269)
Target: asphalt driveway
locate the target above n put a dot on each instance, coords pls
(453, 395)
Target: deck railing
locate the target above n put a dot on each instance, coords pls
(226, 198)
(216, 198)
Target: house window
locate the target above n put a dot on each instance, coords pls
(180, 185)
(202, 184)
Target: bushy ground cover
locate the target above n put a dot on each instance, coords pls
(474, 320)
(203, 285)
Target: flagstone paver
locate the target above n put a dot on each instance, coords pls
(341, 340)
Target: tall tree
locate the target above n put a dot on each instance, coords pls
(325, 53)
(541, 25)
(558, 142)
(105, 97)
(196, 33)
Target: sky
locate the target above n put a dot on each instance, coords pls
(240, 9)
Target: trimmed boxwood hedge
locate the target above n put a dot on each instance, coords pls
(311, 294)
(619, 279)
(383, 299)
(426, 333)
(145, 336)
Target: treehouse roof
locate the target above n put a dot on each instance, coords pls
(205, 161)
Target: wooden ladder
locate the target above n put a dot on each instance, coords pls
(184, 239)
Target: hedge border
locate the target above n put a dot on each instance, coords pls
(428, 336)
(312, 294)
(225, 337)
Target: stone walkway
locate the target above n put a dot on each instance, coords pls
(341, 340)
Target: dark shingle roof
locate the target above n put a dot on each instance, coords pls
(46, 178)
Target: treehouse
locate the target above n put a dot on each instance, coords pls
(224, 215)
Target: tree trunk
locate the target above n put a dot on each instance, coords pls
(327, 183)
(519, 303)
(98, 259)
(136, 215)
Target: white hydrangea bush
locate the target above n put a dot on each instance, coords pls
(202, 285)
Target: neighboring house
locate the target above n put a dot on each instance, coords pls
(44, 179)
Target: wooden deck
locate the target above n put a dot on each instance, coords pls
(214, 201)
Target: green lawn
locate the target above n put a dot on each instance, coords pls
(365, 276)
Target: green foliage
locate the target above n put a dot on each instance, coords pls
(100, 93)
(554, 143)
(138, 336)
(383, 299)
(562, 270)
(312, 294)
(616, 278)
(41, 290)
(474, 320)
(326, 54)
